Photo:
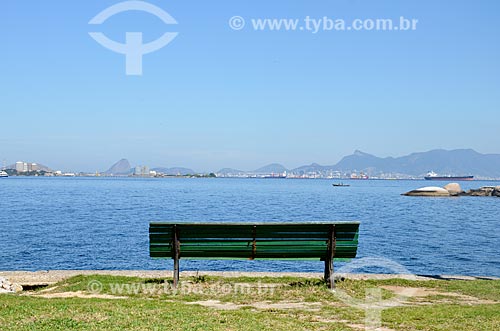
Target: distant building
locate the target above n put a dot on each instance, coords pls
(26, 166)
(141, 171)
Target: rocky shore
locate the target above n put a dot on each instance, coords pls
(454, 190)
(485, 191)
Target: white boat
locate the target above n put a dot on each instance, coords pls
(3, 174)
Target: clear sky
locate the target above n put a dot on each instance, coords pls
(215, 97)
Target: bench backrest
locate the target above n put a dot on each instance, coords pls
(254, 240)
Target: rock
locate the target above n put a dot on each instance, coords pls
(485, 191)
(8, 287)
(453, 188)
(430, 191)
(16, 288)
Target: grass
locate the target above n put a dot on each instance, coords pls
(268, 303)
(445, 317)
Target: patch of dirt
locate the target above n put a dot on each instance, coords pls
(48, 289)
(349, 324)
(312, 306)
(263, 305)
(364, 327)
(77, 294)
(216, 304)
(421, 293)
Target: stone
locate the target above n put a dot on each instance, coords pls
(16, 288)
(430, 191)
(453, 188)
(8, 287)
(485, 191)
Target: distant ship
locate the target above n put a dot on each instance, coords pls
(3, 174)
(433, 176)
(274, 175)
(360, 176)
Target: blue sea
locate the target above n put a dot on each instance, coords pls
(102, 223)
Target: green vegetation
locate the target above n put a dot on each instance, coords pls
(248, 303)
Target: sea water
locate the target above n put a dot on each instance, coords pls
(102, 223)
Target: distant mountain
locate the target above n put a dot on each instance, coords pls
(271, 168)
(444, 162)
(121, 167)
(314, 167)
(362, 161)
(175, 171)
(44, 168)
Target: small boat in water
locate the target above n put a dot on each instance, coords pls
(3, 174)
(340, 185)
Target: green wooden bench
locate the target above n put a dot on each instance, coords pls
(325, 241)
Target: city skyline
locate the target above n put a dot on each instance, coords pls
(216, 97)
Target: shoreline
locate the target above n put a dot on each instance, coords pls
(48, 277)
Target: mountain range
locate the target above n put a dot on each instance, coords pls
(457, 162)
(454, 162)
(445, 162)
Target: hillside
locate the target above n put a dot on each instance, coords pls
(121, 167)
(271, 168)
(444, 162)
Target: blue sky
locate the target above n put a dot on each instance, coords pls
(215, 97)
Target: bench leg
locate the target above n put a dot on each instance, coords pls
(176, 251)
(176, 272)
(329, 277)
(332, 242)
